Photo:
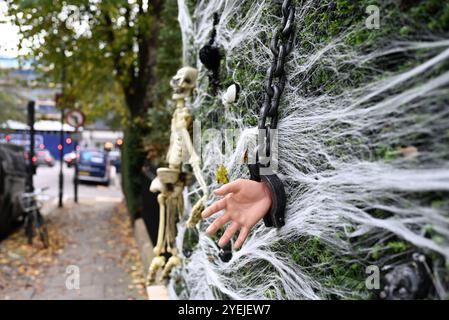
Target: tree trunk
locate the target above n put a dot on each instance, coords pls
(138, 96)
(139, 91)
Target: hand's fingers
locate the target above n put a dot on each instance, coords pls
(228, 188)
(241, 238)
(227, 235)
(217, 224)
(214, 208)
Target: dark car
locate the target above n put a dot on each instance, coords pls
(94, 166)
(13, 176)
(42, 157)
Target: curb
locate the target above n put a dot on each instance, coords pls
(155, 292)
(144, 243)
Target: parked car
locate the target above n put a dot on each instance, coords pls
(13, 176)
(94, 166)
(41, 157)
(69, 158)
(44, 157)
(115, 159)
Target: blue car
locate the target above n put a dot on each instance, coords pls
(94, 166)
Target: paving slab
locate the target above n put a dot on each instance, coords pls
(94, 251)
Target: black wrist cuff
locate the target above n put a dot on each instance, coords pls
(275, 216)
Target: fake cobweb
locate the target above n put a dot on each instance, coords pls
(364, 155)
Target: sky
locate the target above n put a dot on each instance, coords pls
(9, 34)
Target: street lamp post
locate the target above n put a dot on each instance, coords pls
(61, 156)
(31, 119)
(75, 179)
(76, 119)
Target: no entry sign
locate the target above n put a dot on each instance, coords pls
(75, 118)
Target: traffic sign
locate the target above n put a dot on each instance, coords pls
(75, 118)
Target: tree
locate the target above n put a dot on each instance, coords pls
(105, 53)
(10, 107)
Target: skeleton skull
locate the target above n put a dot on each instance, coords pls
(184, 82)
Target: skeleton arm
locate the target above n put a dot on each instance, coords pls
(194, 161)
(167, 157)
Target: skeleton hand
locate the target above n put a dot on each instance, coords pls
(245, 203)
(195, 214)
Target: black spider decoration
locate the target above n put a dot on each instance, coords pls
(210, 56)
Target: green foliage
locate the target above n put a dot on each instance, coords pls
(387, 153)
(169, 52)
(101, 51)
(333, 268)
(191, 6)
(110, 56)
(133, 157)
(320, 24)
(10, 104)
(398, 246)
(433, 13)
(169, 60)
(51, 27)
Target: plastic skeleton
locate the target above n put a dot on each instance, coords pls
(170, 182)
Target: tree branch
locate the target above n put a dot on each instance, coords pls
(111, 39)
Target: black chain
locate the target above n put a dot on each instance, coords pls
(281, 46)
(216, 19)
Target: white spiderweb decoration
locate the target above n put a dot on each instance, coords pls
(327, 152)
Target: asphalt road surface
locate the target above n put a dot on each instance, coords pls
(49, 177)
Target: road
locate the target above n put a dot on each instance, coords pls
(49, 177)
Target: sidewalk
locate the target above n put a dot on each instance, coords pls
(94, 237)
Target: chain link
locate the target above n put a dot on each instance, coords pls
(281, 46)
(216, 19)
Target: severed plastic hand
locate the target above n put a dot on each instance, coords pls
(245, 203)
